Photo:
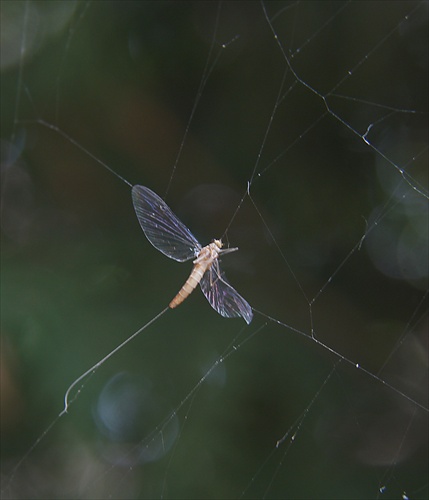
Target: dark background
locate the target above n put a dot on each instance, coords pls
(78, 276)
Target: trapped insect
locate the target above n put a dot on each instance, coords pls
(171, 237)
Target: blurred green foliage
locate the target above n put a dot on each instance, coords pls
(78, 277)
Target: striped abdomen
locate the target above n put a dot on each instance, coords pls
(201, 264)
(190, 285)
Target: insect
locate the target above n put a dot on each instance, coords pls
(171, 237)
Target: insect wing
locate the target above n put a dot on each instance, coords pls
(222, 297)
(162, 228)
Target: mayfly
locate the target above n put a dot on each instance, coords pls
(171, 237)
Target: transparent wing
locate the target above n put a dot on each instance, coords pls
(222, 297)
(162, 228)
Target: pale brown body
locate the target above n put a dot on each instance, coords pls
(202, 263)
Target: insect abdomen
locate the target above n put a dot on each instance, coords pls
(190, 285)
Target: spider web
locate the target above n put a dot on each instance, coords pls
(307, 149)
